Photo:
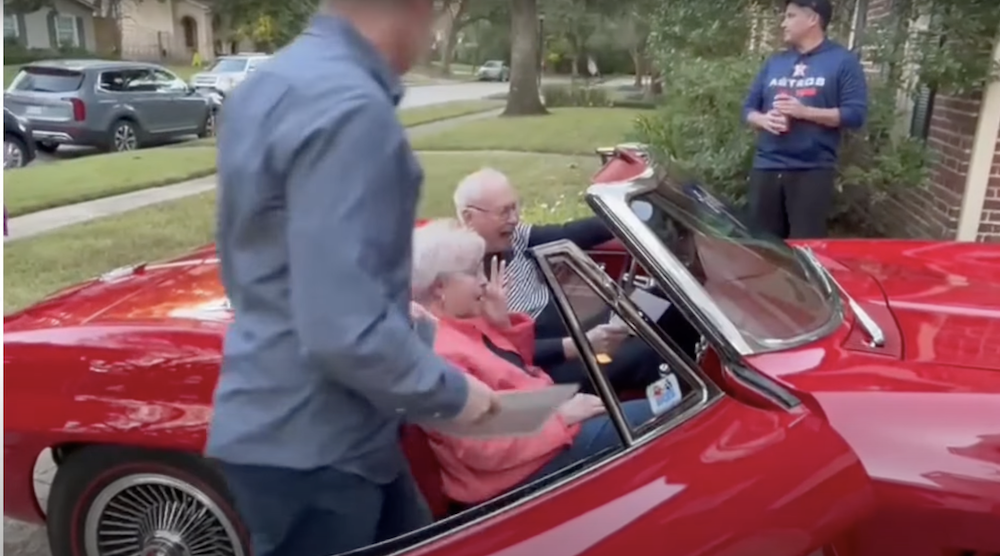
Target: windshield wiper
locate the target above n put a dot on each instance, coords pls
(875, 334)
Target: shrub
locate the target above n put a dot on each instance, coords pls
(558, 96)
(698, 134)
(14, 54)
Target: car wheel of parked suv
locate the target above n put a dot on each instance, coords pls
(13, 151)
(124, 136)
(47, 147)
(209, 128)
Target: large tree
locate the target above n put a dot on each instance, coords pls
(456, 15)
(267, 23)
(524, 99)
(572, 21)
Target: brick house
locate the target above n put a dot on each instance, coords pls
(963, 199)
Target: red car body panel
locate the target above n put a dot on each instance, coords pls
(893, 452)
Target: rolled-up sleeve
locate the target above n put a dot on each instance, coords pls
(343, 166)
(853, 94)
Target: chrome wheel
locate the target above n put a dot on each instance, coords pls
(125, 137)
(210, 125)
(157, 515)
(13, 154)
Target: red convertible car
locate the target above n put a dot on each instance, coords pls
(842, 398)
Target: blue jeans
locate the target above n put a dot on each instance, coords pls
(321, 512)
(597, 434)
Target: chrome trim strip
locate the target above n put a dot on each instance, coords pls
(562, 248)
(51, 136)
(875, 334)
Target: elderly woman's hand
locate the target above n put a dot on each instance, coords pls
(495, 295)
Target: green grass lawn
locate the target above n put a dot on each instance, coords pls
(565, 130)
(430, 114)
(44, 186)
(35, 267)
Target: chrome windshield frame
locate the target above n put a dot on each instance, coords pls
(611, 202)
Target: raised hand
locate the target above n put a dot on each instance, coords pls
(495, 295)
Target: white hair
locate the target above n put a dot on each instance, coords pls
(440, 247)
(470, 189)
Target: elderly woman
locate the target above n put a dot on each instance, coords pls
(477, 334)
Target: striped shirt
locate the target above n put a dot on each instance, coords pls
(526, 288)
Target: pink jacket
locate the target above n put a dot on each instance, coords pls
(475, 470)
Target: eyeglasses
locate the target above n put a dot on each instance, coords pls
(506, 213)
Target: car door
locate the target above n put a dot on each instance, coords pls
(717, 476)
(187, 110)
(151, 105)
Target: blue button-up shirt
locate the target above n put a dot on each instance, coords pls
(318, 189)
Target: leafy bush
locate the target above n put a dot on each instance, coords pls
(557, 96)
(15, 54)
(698, 134)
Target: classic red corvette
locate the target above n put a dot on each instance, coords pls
(843, 399)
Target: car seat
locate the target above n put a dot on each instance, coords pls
(425, 469)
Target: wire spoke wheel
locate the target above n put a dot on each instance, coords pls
(157, 515)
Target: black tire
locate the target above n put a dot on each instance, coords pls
(20, 158)
(47, 147)
(124, 126)
(98, 476)
(208, 128)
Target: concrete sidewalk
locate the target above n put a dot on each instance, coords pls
(37, 223)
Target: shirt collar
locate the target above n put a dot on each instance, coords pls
(339, 30)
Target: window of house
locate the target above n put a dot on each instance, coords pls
(10, 30)
(66, 31)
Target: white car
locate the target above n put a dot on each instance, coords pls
(228, 71)
(493, 70)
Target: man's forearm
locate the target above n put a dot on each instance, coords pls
(755, 120)
(829, 117)
(569, 349)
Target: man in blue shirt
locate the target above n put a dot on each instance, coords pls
(318, 189)
(799, 103)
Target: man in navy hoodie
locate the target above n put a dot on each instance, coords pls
(799, 103)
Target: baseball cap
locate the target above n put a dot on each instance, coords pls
(823, 8)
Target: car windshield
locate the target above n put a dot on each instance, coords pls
(493, 64)
(46, 80)
(229, 65)
(758, 282)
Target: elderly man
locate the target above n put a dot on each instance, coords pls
(487, 202)
(318, 190)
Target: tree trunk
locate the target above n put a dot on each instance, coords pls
(447, 53)
(523, 99)
(638, 66)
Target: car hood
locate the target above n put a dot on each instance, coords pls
(945, 296)
(184, 289)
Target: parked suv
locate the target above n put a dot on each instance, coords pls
(18, 146)
(116, 106)
(228, 71)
